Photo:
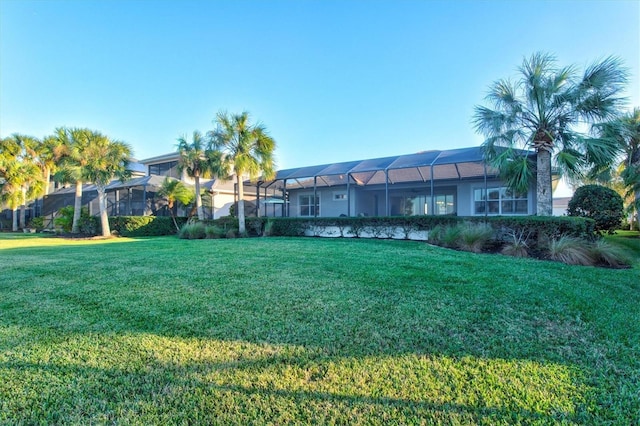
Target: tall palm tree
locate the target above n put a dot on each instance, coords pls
(74, 142)
(625, 130)
(48, 154)
(248, 148)
(631, 143)
(106, 159)
(23, 180)
(172, 191)
(193, 160)
(545, 109)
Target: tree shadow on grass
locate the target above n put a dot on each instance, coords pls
(276, 388)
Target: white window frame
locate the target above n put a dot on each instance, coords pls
(308, 205)
(500, 200)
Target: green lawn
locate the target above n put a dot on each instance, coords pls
(285, 330)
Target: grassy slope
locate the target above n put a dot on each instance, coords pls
(307, 330)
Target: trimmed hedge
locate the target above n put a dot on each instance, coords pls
(144, 226)
(539, 227)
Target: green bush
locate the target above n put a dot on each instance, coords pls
(193, 231)
(287, 227)
(450, 235)
(144, 226)
(542, 228)
(88, 225)
(37, 223)
(255, 226)
(602, 204)
(214, 231)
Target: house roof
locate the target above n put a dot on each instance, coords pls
(172, 156)
(462, 163)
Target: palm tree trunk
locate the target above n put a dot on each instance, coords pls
(635, 165)
(23, 208)
(14, 226)
(47, 179)
(241, 221)
(77, 207)
(544, 195)
(173, 216)
(104, 218)
(198, 198)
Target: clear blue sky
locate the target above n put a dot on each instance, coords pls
(331, 80)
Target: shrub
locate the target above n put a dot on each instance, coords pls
(608, 255)
(450, 236)
(214, 231)
(517, 245)
(88, 225)
(144, 226)
(193, 231)
(287, 227)
(516, 249)
(570, 250)
(37, 223)
(602, 204)
(541, 228)
(474, 237)
(255, 226)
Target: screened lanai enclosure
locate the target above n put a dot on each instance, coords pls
(134, 197)
(450, 182)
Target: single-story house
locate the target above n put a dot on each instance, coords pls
(447, 182)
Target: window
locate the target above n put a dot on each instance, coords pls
(500, 201)
(308, 207)
(165, 169)
(339, 196)
(412, 205)
(443, 204)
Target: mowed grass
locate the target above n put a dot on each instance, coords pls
(320, 331)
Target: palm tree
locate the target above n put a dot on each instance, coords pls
(9, 190)
(106, 159)
(625, 130)
(173, 190)
(73, 159)
(193, 160)
(48, 153)
(248, 148)
(545, 110)
(23, 180)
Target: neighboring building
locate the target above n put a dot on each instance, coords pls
(221, 193)
(560, 206)
(451, 182)
(138, 195)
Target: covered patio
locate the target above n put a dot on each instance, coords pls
(373, 186)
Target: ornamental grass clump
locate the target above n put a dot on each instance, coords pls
(606, 254)
(450, 236)
(517, 245)
(214, 232)
(516, 249)
(192, 231)
(474, 237)
(570, 250)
